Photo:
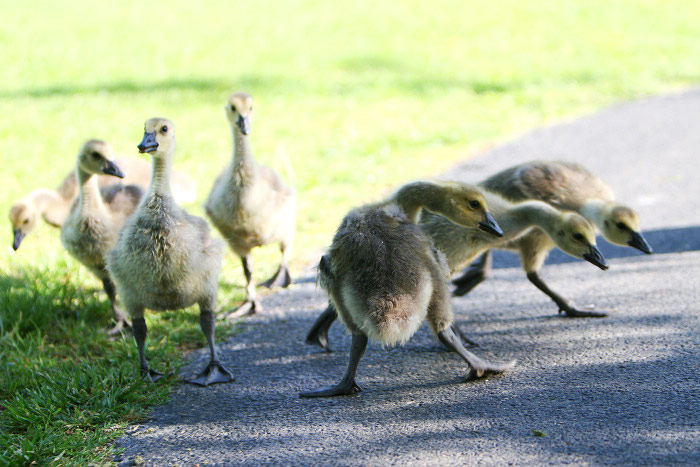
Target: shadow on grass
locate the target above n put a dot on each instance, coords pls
(249, 82)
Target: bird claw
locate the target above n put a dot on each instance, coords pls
(249, 307)
(338, 390)
(151, 374)
(214, 373)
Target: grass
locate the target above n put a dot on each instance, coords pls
(350, 101)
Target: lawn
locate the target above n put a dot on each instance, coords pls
(350, 100)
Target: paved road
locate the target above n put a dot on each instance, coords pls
(624, 389)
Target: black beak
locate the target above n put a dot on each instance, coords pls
(244, 124)
(490, 225)
(113, 169)
(594, 256)
(19, 236)
(148, 143)
(639, 243)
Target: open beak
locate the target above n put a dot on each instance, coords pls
(640, 243)
(148, 143)
(113, 169)
(19, 236)
(594, 256)
(243, 123)
(490, 225)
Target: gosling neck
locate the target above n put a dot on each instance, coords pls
(411, 198)
(89, 191)
(52, 207)
(160, 177)
(242, 154)
(529, 214)
(594, 211)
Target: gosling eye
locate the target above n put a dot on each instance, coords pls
(578, 237)
(233, 108)
(474, 204)
(94, 154)
(25, 221)
(164, 129)
(621, 226)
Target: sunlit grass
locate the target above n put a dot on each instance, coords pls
(350, 100)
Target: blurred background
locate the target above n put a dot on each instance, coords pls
(351, 99)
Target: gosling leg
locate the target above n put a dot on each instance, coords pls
(347, 385)
(281, 278)
(140, 331)
(478, 368)
(474, 275)
(318, 335)
(119, 315)
(214, 372)
(565, 306)
(251, 305)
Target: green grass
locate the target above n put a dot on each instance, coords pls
(350, 101)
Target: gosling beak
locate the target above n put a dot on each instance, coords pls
(113, 169)
(594, 256)
(640, 243)
(19, 236)
(148, 143)
(490, 225)
(243, 123)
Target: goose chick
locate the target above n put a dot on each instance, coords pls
(165, 258)
(385, 278)
(251, 206)
(55, 205)
(92, 226)
(567, 186)
(461, 245)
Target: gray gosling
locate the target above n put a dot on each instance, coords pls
(461, 245)
(92, 226)
(251, 206)
(385, 278)
(54, 205)
(165, 258)
(566, 186)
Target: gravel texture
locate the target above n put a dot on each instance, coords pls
(624, 389)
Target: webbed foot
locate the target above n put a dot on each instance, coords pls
(467, 281)
(318, 335)
(486, 368)
(151, 374)
(214, 373)
(466, 342)
(117, 329)
(281, 278)
(249, 307)
(342, 389)
(573, 312)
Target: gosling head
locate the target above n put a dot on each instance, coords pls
(96, 157)
(23, 216)
(158, 137)
(576, 236)
(467, 207)
(621, 226)
(239, 111)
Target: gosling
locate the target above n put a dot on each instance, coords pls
(567, 230)
(566, 186)
(385, 278)
(251, 206)
(55, 205)
(165, 258)
(92, 226)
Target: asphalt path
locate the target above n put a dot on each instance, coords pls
(624, 389)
